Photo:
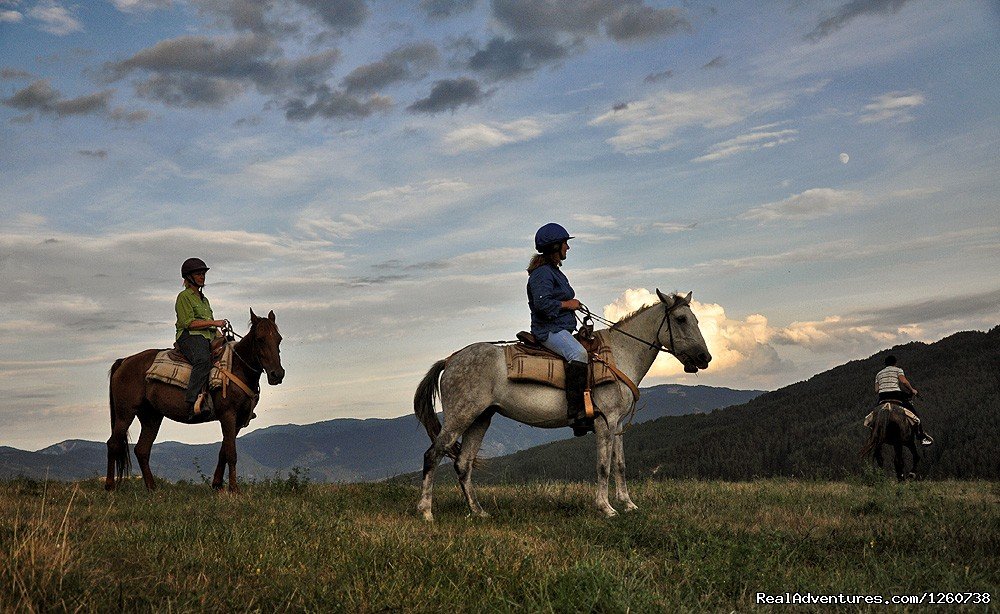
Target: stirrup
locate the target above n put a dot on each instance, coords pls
(927, 440)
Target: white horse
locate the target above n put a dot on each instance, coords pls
(473, 386)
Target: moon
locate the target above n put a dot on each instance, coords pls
(844, 158)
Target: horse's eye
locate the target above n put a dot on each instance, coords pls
(681, 319)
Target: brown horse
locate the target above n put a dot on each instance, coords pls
(890, 426)
(132, 395)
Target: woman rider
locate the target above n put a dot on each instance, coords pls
(196, 328)
(552, 303)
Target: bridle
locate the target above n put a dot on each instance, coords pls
(229, 333)
(613, 326)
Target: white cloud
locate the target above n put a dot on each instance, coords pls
(56, 19)
(487, 136)
(818, 202)
(753, 141)
(10, 17)
(600, 221)
(652, 124)
(128, 6)
(893, 106)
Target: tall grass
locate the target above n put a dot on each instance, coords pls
(288, 545)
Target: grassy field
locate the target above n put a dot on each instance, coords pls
(291, 546)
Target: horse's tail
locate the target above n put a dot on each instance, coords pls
(123, 462)
(423, 405)
(423, 399)
(880, 424)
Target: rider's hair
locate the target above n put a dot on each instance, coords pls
(541, 259)
(890, 361)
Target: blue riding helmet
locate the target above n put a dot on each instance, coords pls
(550, 236)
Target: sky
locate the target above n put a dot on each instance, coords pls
(822, 175)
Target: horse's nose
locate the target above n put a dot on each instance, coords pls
(705, 357)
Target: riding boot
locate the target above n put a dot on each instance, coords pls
(576, 384)
(921, 436)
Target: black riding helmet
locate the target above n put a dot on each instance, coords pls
(550, 237)
(192, 266)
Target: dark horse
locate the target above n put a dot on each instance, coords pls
(890, 426)
(132, 395)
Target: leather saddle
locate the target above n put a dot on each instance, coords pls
(533, 346)
(218, 347)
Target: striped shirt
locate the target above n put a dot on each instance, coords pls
(887, 379)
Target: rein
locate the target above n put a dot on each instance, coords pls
(613, 327)
(231, 334)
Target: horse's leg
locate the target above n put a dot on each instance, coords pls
(150, 422)
(916, 457)
(227, 453)
(454, 427)
(897, 460)
(605, 436)
(878, 456)
(471, 440)
(618, 462)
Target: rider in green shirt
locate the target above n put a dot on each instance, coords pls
(196, 327)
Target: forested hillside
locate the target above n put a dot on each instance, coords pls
(812, 428)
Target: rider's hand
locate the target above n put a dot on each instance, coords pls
(219, 323)
(572, 304)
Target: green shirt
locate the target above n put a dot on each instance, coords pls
(191, 307)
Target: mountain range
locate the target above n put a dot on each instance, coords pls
(339, 450)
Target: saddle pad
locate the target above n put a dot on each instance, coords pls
(531, 365)
(176, 373)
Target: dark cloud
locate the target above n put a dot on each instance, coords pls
(621, 106)
(623, 20)
(40, 96)
(658, 76)
(188, 90)
(936, 309)
(130, 117)
(430, 265)
(406, 63)
(847, 12)
(636, 22)
(11, 74)
(440, 9)
(448, 95)
(718, 61)
(335, 104)
(340, 15)
(93, 153)
(201, 71)
(509, 59)
(247, 15)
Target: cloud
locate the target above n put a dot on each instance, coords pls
(93, 153)
(406, 63)
(131, 6)
(440, 9)
(736, 345)
(623, 20)
(718, 61)
(637, 22)
(757, 139)
(12, 74)
(651, 124)
(487, 136)
(448, 95)
(811, 204)
(850, 11)
(656, 77)
(337, 104)
(56, 19)
(504, 59)
(42, 97)
(600, 221)
(340, 15)
(10, 16)
(193, 71)
(892, 106)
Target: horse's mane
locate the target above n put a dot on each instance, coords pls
(633, 314)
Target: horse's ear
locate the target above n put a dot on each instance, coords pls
(687, 299)
(669, 301)
(253, 316)
(270, 316)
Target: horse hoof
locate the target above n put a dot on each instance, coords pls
(428, 516)
(479, 514)
(610, 512)
(631, 507)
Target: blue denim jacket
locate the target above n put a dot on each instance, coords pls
(547, 288)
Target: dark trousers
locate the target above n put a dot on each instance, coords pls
(904, 398)
(198, 351)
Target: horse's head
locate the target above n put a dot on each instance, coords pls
(680, 333)
(266, 346)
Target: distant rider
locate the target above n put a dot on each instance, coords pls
(891, 385)
(196, 328)
(552, 302)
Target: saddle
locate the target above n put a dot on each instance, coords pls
(219, 347)
(528, 360)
